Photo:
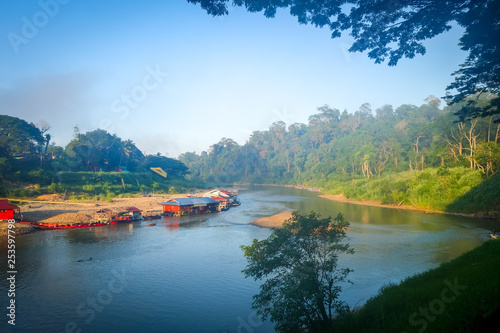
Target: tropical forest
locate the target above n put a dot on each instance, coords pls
(422, 156)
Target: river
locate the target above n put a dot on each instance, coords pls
(184, 274)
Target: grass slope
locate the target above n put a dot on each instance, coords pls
(462, 295)
(459, 190)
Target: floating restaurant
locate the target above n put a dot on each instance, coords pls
(226, 199)
(189, 206)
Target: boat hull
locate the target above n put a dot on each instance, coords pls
(67, 226)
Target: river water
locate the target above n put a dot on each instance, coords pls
(184, 274)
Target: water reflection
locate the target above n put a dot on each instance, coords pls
(185, 273)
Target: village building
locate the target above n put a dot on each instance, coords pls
(116, 215)
(8, 211)
(217, 194)
(189, 206)
(225, 198)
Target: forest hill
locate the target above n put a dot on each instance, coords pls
(344, 146)
(420, 156)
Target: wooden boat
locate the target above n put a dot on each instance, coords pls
(150, 224)
(235, 202)
(66, 226)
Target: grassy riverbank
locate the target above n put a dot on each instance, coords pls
(99, 185)
(455, 190)
(462, 295)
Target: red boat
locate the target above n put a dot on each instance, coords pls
(65, 226)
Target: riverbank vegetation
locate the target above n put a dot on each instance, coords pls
(93, 165)
(420, 156)
(299, 265)
(462, 295)
(423, 157)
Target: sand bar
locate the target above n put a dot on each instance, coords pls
(275, 221)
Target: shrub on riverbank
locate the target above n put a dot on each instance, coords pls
(433, 188)
(103, 185)
(462, 295)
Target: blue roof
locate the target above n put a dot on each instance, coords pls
(189, 201)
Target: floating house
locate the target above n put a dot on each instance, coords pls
(118, 215)
(8, 211)
(217, 194)
(227, 199)
(189, 206)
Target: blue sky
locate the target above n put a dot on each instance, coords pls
(174, 79)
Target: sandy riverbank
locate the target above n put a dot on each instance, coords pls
(276, 221)
(341, 198)
(65, 212)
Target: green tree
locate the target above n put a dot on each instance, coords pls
(300, 264)
(395, 29)
(17, 136)
(99, 149)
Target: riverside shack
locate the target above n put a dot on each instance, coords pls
(189, 206)
(116, 215)
(225, 198)
(8, 211)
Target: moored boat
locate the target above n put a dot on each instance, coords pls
(42, 225)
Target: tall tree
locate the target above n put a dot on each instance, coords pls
(390, 30)
(98, 149)
(17, 136)
(300, 263)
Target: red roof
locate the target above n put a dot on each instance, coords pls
(4, 205)
(133, 209)
(219, 198)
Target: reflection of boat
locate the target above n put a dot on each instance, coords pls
(189, 206)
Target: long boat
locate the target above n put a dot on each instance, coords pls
(42, 225)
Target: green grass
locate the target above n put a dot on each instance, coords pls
(457, 189)
(462, 295)
(88, 185)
